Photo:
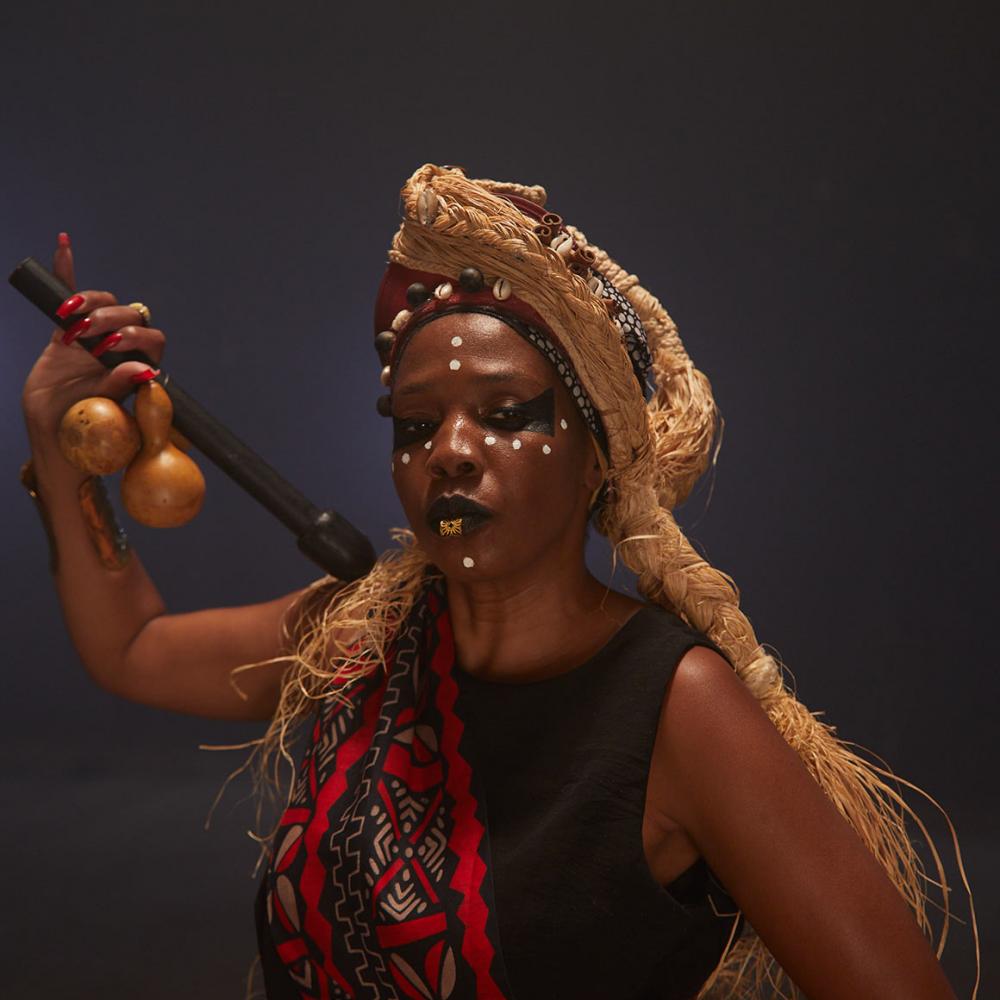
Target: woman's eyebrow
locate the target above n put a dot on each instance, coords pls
(488, 377)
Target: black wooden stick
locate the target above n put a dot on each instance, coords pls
(324, 536)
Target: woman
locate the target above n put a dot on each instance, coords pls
(518, 783)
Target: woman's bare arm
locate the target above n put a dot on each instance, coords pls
(116, 617)
(129, 645)
(808, 885)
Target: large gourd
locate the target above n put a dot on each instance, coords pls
(162, 488)
(98, 436)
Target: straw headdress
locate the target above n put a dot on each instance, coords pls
(656, 450)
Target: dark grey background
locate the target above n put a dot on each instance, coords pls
(807, 189)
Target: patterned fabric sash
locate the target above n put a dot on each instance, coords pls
(378, 884)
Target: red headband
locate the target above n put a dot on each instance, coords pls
(392, 299)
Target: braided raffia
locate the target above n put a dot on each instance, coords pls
(658, 451)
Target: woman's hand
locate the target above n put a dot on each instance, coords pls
(66, 372)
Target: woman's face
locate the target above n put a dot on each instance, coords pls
(492, 462)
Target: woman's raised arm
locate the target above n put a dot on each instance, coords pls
(116, 617)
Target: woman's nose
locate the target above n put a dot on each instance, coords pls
(454, 452)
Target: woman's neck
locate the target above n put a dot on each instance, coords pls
(538, 626)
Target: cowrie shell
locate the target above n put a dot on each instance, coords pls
(501, 289)
(443, 291)
(402, 318)
(427, 206)
(595, 285)
(560, 241)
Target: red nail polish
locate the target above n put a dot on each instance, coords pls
(70, 306)
(106, 344)
(64, 239)
(76, 329)
(147, 376)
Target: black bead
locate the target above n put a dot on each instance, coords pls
(417, 294)
(384, 342)
(471, 279)
(384, 406)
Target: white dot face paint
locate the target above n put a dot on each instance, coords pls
(517, 443)
(468, 562)
(456, 341)
(406, 458)
(454, 364)
(427, 445)
(546, 449)
(563, 424)
(490, 439)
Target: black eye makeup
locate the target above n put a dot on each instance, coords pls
(407, 432)
(537, 415)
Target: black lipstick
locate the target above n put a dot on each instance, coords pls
(456, 515)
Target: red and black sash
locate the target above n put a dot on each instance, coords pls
(379, 884)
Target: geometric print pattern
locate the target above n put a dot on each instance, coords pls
(633, 333)
(378, 884)
(567, 373)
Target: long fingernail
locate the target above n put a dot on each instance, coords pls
(76, 329)
(63, 239)
(106, 344)
(147, 376)
(70, 306)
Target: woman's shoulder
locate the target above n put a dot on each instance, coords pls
(649, 647)
(708, 719)
(665, 630)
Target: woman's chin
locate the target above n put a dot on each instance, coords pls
(473, 555)
(487, 553)
(463, 557)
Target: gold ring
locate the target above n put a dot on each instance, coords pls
(143, 311)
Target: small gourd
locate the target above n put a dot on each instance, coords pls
(98, 436)
(162, 488)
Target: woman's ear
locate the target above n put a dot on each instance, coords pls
(593, 477)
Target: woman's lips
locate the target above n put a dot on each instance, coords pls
(456, 516)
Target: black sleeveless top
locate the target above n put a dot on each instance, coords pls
(454, 838)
